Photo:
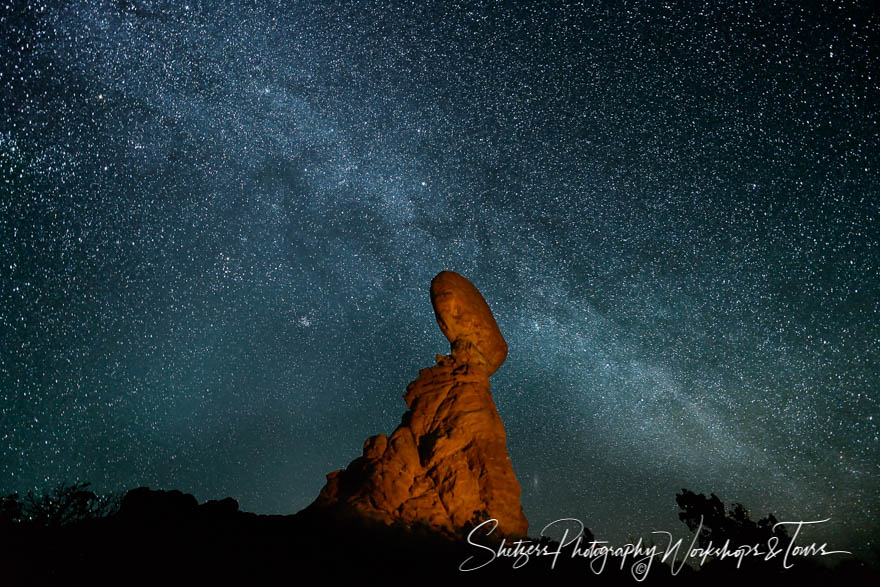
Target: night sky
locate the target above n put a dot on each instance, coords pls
(219, 223)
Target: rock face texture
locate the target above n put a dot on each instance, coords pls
(446, 465)
(466, 320)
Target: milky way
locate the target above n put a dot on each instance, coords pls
(219, 222)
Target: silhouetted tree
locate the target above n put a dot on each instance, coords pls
(11, 510)
(477, 518)
(718, 525)
(66, 504)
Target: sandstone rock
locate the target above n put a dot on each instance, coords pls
(446, 465)
(466, 320)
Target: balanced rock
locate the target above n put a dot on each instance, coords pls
(446, 465)
(466, 320)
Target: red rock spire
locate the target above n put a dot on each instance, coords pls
(446, 465)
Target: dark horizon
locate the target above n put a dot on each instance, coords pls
(218, 226)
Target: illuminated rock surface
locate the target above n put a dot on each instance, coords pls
(446, 465)
(466, 320)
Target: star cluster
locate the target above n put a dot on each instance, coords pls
(218, 223)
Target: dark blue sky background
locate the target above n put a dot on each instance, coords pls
(219, 222)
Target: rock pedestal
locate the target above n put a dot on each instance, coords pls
(446, 465)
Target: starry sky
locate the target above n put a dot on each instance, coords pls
(219, 223)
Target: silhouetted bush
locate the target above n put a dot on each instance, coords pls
(718, 526)
(11, 510)
(62, 506)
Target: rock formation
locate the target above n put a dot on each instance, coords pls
(446, 465)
